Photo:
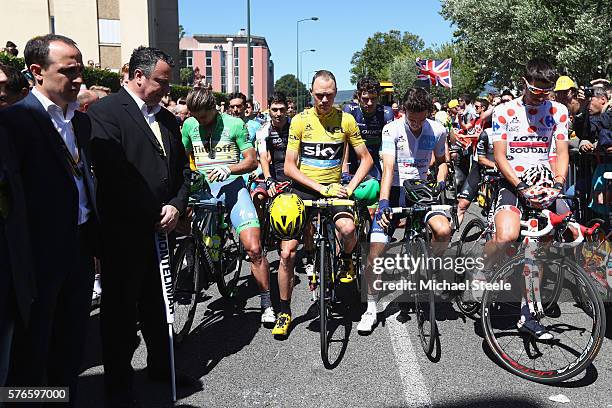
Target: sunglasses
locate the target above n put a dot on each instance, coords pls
(278, 109)
(537, 91)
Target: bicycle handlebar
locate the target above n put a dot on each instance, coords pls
(412, 210)
(552, 220)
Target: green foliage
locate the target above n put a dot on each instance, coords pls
(465, 75)
(8, 59)
(186, 76)
(575, 35)
(102, 77)
(287, 84)
(381, 48)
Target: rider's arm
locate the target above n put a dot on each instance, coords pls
(365, 164)
(483, 161)
(361, 151)
(262, 149)
(481, 149)
(249, 161)
(345, 158)
(561, 138)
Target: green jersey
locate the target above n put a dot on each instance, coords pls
(221, 147)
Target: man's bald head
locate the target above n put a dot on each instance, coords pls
(86, 98)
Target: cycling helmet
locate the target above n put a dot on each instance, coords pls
(367, 192)
(287, 216)
(540, 181)
(420, 192)
(539, 175)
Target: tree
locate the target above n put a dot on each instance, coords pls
(287, 85)
(379, 50)
(466, 77)
(575, 35)
(186, 76)
(181, 31)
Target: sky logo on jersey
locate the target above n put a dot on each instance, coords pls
(427, 142)
(322, 151)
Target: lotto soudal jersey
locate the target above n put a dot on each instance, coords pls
(221, 147)
(370, 127)
(319, 141)
(412, 154)
(529, 131)
(274, 141)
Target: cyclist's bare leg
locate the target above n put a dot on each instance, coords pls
(260, 268)
(288, 251)
(346, 227)
(375, 251)
(441, 233)
(462, 207)
(507, 229)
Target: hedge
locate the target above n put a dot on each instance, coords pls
(8, 59)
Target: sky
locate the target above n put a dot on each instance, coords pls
(342, 29)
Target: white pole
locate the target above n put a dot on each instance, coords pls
(165, 272)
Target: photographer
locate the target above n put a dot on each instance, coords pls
(600, 119)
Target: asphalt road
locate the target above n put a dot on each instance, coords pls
(241, 365)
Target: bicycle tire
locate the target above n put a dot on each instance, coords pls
(471, 238)
(424, 300)
(324, 300)
(185, 275)
(230, 264)
(545, 375)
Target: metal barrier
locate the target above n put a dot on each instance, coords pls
(586, 175)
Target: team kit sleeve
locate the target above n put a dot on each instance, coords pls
(388, 140)
(561, 130)
(482, 145)
(241, 135)
(295, 133)
(440, 147)
(352, 130)
(188, 126)
(499, 125)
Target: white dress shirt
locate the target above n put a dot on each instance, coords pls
(148, 112)
(63, 125)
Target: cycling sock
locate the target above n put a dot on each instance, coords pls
(372, 303)
(285, 306)
(265, 300)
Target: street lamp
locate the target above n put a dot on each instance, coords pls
(297, 58)
(302, 52)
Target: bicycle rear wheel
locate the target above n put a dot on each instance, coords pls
(471, 245)
(230, 264)
(424, 297)
(185, 275)
(578, 327)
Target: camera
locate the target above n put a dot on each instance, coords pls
(588, 91)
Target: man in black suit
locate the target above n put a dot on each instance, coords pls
(16, 274)
(143, 186)
(50, 139)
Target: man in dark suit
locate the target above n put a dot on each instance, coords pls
(16, 274)
(143, 187)
(50, 140)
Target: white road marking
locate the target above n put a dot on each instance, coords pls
(416, 392)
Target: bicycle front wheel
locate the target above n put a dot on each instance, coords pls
(578, 327)
(185, 274)
(471, 246)
(230, 264)
(424, 297)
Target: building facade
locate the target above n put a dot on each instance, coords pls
(106, 31)
(222, 61)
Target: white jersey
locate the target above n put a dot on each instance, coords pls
(530, 132)
(412, 154)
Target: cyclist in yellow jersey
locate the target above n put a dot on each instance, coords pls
(314, 161)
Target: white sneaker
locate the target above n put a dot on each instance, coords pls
(268, 318)
(367, 322)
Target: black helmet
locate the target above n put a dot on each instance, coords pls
(420, 192)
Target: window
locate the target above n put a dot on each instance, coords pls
(208, 67)
(110, 31)
(223, 72)
(236, 70)
(208, 58)
(186, 59)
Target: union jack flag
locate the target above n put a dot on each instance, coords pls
(437, 72)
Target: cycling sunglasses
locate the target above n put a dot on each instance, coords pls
(538, 91)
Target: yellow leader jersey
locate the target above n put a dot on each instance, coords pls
(319, 141)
